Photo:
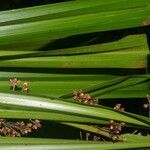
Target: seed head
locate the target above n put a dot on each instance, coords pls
(14, 82)
(146, 106)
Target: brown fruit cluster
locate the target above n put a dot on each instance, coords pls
(15, 83)
(82, 97)
(16, 129)
(119, 107)
(115, 129)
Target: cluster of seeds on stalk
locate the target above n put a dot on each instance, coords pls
(15, 85)
(147, 105)
(16, 129)
(12, 128)
(115, 129)
(82, 97)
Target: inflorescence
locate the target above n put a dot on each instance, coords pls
(82, 97)
(16, 84)
(114, 129)
(16, 129)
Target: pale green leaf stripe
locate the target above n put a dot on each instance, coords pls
(76, 147)
(130, 138)
(42, 105)
(133, 141)
(65, 9)
(63, 27)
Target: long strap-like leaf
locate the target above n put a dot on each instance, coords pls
(26, 106)
(132, 141)
(44, 31)
(70, 8)
(99, 86)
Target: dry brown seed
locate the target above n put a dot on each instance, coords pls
(34, 127)
(119, 128)
(18, 134)
(96, 101)
(117, 131)
(29, 130)
(14, 132)
(111, 127)
(122, 109)
(25, 89)
(8, 130)
(37, 121)
(122, 124)
(145, 106)
(78, 92)
(111, 121)
(88, 96)
(85, 96)
(81, 95)
(25, 84)
(22, 123)
(85, 101)
(29, 124)
(91, 102)
(75, 97)
(25, 131)
(115, 138)
(1, 130)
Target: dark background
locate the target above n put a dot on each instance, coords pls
(12, 4)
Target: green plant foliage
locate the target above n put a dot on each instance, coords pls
(99, 85)
(53, 109)
(70, 8)
(133, 141)
(127, 43)
(42, 32)
(102, 65)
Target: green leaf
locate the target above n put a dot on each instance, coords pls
(65, 9)
(128, 43)
(100, 86)
(91, 128)
(16, 106)
(133, 141)
(134, 60)
(54, 84)
(131, 82)
(42, 32)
